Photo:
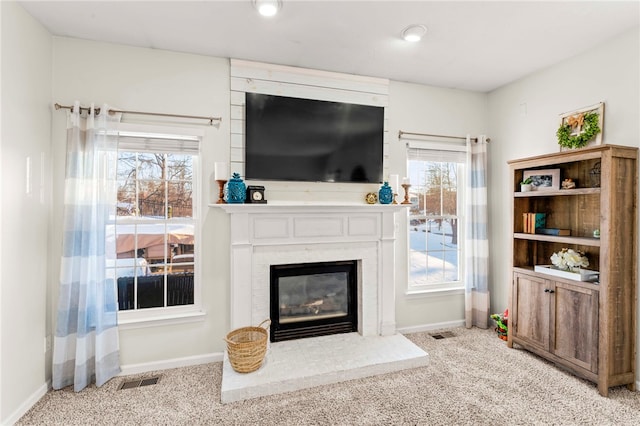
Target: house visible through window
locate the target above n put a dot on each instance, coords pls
(154, 229)
(436, 224)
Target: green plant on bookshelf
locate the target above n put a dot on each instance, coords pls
(526, 185)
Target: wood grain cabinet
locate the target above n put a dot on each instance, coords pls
(587, 328)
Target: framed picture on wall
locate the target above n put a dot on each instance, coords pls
(581, 128)
(543, 180)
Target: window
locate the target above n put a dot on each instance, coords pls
(154, 229)
(436, 222)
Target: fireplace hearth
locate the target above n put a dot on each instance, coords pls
(313, 299)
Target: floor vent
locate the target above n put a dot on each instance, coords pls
(139, 383)
(442, 335)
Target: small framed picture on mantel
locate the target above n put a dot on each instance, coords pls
(543, 180)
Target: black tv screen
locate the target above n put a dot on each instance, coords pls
(294, 139)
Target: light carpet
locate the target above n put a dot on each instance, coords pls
(472, 379)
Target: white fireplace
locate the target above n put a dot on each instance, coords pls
(277, 234)
(265, 235)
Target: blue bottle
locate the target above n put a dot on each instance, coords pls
(236, 190)
(385, 195)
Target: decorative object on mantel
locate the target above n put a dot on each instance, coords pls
(581, 127)
(371, 198)
(220, 175)
(569, 263)
(247, 347)
(236, 191)
(568, 183)
(406, 186)
(385, 194)
(255, 195)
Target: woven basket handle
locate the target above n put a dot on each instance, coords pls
(267, 321)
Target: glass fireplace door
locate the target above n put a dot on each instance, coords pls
(313, 299)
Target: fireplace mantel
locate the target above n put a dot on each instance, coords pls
(273, 207)
(266, 234)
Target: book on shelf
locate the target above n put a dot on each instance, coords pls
(553, 231)
(533, 221)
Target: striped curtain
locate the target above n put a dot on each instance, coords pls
(477, 243)
(86, 344)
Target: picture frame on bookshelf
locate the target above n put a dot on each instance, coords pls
(543, 180)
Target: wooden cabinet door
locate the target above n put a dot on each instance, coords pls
(529, 319)
(574, 325)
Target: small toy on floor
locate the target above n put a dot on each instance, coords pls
(502, 321)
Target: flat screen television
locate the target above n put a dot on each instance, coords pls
(294, 139)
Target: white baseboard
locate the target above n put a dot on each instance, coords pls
(27, 404)
(429, 327)
(170, 363)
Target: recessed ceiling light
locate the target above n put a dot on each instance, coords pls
(267, 7)
(414, 33)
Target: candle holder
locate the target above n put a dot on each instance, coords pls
(221, 191)
(406, 187)
(395, 194)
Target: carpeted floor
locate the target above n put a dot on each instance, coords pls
(472, 379)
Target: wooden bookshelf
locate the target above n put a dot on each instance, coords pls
(587, 328)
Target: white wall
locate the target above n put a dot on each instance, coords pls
(154, 80)
(26, 92)
(157, 81)
(524, 117)
(425, 109)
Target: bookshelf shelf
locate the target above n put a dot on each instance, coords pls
(582, 241)
(556, 193)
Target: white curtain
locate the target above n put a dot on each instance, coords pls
(477, 243)
(86, 346)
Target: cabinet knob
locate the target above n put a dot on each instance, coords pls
(548, 290)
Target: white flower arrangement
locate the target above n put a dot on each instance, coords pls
(568, 259)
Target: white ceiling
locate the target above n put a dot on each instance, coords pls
(473, 45)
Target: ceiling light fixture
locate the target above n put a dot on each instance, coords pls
(414, 33)
(267, 7)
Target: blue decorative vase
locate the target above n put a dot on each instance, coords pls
(236, 190)
(385, 195)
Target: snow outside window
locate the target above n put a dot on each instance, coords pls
(436, 222)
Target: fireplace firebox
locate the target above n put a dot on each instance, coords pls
(313, 299)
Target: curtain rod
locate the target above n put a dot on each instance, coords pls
(400, 133)
(158, 114)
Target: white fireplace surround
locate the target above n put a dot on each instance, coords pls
(277, 234)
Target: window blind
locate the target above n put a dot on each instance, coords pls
(446, 152)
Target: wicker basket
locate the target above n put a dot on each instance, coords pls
(247, 346)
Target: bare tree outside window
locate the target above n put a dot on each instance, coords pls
(154, 229)
(434, 222)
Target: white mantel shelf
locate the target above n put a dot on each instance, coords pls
(307, 207)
